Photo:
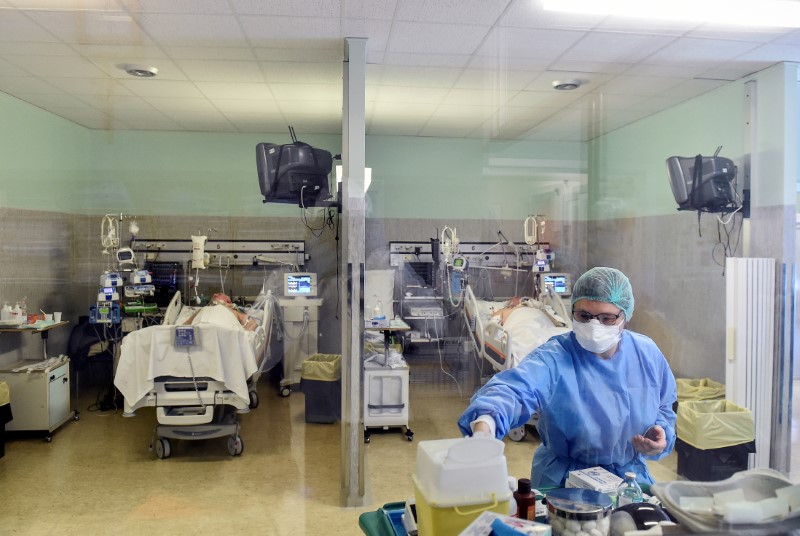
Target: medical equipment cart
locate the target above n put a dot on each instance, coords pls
(39, 393)
(386, 388)
(39, 398)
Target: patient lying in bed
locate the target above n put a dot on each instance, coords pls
(220, 311)
(529, 325)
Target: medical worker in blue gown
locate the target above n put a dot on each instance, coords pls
(598, 388)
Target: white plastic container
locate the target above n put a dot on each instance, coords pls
(455, 480)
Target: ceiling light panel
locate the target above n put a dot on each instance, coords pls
(779, 13)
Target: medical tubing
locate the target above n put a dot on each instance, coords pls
(441, 358)
(194, 378)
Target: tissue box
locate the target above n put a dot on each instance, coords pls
(595, 478)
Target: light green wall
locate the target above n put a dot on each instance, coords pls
(44, 159)
(180, 173)
(468, 178)
(629, 172)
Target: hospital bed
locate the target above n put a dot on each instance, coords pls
(528, 326)
(197, 389)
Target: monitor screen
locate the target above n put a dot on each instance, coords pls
(299, 284)
(559, 282)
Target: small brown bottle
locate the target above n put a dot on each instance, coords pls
(525, 499)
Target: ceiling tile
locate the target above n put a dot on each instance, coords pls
(735, 70)
(370, 9)
(639, 85)
(736, 33)
(477, 97)
(307, 92)
(127, 53)
(202, 7)
(255, 124)
(97, 27)
(544, 99)
(221, 71)
(91, 86)
(9, 69)
(66, 5)
(450, 128)
(677, 70)
(411, 95)
(292, 32)
(449, 111)
(173, 106)
(300, 55)
(209, 53)
(236, 107)
(451, 11)
(544, 81)
(15, 26)
(56, 101)
(699, 51)
(645, 26)
(529, 43)
(397, 75)
(302, 73)
(503, 63)
(117, 105)
(615, 47)
(293, 8)
(693, 88)
(35, 49)
(22, 86)
(63, 67)
(433, 38)
(771, 53)
(162, 88)
(194, 30)
(589, 66)
(426, 60)
(226, 90)
(376, 31)
(495, 80)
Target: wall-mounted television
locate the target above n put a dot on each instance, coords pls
(295, 173)
(703, 183)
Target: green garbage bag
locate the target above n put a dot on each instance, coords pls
(322, 367)
(714, 424)
(699, 389)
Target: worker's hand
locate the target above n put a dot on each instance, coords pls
(652, 442)
(481, 429)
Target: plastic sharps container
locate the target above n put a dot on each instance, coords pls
(579, 511)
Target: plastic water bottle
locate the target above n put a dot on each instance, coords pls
(629, 491)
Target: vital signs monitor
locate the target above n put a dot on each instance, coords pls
(299, 284)
(559, 282)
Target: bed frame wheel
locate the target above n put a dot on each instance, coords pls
(366, 436)
(286, 391)
(517, 434)
(235, 445)
(409, 435)
(253, 400)
(162, 448)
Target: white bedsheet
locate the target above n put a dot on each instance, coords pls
(529, 328)
(226, 355)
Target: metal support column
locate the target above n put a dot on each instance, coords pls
(352, 467)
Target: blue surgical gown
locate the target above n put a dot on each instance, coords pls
(589, 408)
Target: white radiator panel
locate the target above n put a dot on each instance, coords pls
(750, 345)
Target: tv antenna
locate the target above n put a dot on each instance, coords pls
(291, 133)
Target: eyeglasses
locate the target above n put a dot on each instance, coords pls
(607, 319)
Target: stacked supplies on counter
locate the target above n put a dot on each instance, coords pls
(594, 478)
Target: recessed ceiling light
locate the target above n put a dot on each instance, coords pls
(139, 71)
(566, 85)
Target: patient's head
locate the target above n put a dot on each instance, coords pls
(220, 298)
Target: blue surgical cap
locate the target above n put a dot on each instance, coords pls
(605, 285)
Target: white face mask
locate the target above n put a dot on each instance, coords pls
(596, 337)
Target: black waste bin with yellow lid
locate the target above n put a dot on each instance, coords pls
(321, 383)
(714, 440)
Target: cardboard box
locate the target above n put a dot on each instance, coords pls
(594, 478)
